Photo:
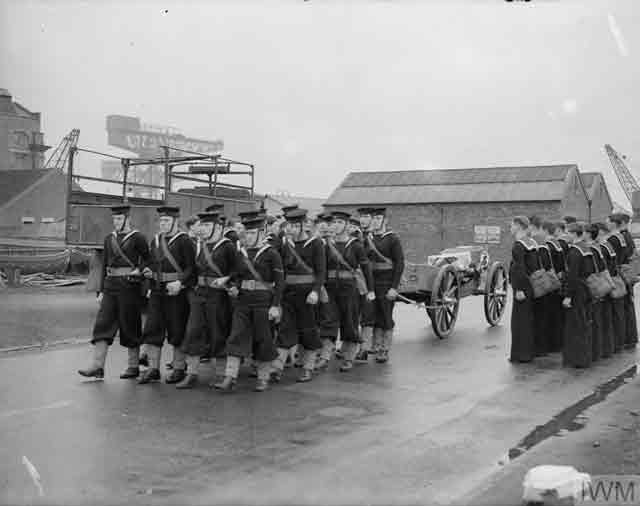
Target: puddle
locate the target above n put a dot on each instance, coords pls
(571, 418)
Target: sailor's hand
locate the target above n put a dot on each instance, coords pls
(312, 298)
(174, 287)
(520, 295)
(371, 296)
(392, 294)
(147, 273)
(274, 313)
(566, 302)
(99, 297)
(233, 291)
(148, 294)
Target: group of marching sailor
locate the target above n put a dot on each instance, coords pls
(273, 291)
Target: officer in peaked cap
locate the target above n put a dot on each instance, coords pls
(387, 262)
(125, 257)
(258, 287)
(209, 319)
(305, 271)
(173, 261)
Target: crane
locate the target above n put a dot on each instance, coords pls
(60, 156)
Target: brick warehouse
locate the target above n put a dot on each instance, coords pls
(436, 209)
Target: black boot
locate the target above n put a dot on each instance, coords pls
(148, 376)
(92, 372)
(176, 376)
(144, 360)
(130, 373)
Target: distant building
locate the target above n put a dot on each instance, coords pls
(436, 209)
(274, 203)
(32, 207)
(21, 140)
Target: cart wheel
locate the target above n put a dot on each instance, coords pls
(495, 295)
(445, 301)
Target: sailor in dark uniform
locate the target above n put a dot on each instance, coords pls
(599, 233)
(632, 324)
(209, 322)
(173, 260)
(349, 276)
(367, 307)
(540, 304)
(305, 270)
(616, 223)
(578, 347)
(258, 288)
(387, 262)
(555, 317)
(328, 318)
(524, 261)
(598, 329)
(125, 256)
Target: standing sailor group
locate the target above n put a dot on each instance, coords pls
(573, 289)
(259, 291)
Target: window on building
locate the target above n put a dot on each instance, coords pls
(28, 220)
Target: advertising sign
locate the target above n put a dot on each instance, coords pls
(132, 134)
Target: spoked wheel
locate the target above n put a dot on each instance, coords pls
(495, 295)
(445, 301)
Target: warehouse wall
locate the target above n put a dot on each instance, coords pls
(426, 229)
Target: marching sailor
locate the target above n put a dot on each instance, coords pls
(349, 276)
(387, 260)
(125, 257)
(367, 307)
(305, 270)
(258, 288)
(209, 323)
(173, 260)
(328, 318)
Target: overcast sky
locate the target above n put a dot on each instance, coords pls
(309, 91)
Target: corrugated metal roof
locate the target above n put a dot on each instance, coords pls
(12, 182)
(459, 176)
(425, 194)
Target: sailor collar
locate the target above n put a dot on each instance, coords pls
(529, 243)
(583, 248)
(129, 234)
(556, 244)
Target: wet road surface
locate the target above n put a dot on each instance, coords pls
(424, 428)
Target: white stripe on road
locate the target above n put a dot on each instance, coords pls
(35, 475)
(16, 412)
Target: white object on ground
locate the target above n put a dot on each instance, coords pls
(544, 483)
(35, 475)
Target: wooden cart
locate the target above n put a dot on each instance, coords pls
(440, 283)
